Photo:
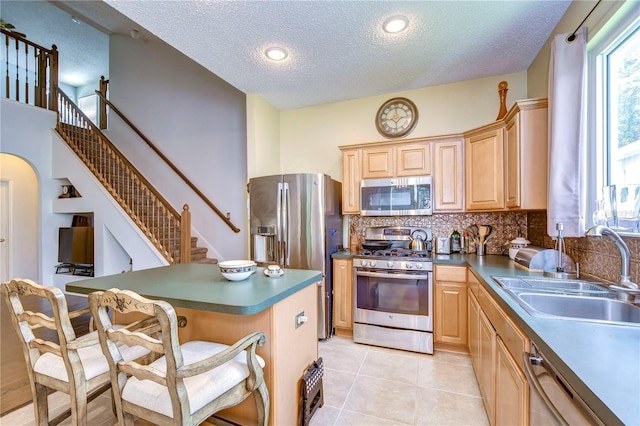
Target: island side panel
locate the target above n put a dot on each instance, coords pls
(294, 349)
(287, 351)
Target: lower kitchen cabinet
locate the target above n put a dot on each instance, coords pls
(473, 316)
(343, 296)
(510, 382)
(450, 306)
(496, 346)
(485, 370)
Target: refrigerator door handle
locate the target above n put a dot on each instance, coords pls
(278, 254)
(285, 226)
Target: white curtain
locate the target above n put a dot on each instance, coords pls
(567, 135)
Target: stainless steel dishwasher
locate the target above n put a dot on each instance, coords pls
(552, 401)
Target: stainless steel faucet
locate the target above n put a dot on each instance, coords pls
(627, 289)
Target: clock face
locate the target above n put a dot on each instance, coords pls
(396, 118)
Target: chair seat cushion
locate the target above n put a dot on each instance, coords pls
(93, 361)
(201, 389)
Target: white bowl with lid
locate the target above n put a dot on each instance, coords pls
(516, 245)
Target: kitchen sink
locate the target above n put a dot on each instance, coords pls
(569, 299)
(599, 309)
(550, 285)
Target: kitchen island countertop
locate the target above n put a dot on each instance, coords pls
(224, 311)
(202, 286)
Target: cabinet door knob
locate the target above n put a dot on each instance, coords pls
(2, 240)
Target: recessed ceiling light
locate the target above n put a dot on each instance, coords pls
(276, 53)
(395, 24)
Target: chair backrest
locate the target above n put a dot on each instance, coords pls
(164, 320)
(26, 321)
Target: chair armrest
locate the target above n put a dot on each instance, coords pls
(83, 342)
(143, 372)
(253, 339)
(79, 312)
(45, 346)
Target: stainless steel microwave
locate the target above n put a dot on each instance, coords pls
(409, 196)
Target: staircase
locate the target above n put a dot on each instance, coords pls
(168, 230)
(198, 254)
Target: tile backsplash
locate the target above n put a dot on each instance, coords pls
(598, 257)
(506, 225)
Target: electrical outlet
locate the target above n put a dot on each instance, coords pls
(301, 319)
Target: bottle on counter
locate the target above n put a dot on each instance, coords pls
(455, 242)
(465, 242)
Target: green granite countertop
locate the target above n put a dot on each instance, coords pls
(202, 286)
(600, 361)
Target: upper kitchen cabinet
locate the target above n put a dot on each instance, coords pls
(377, 162)
(351, 181)
(389, 161)
(448, 175)
(413, 159)
(484, 167)
(526, 155)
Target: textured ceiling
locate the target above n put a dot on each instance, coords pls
(337, 50)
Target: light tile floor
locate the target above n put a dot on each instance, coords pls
(364, 385)
(369, 385)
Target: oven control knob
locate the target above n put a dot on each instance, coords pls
(418, 265)
(372, 263)
(364, 263)
(390, 264)
(409, 265)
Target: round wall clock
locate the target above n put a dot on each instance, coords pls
(396, 118)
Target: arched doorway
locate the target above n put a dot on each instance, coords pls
(19, 223)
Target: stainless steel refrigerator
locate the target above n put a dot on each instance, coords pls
(295, 222)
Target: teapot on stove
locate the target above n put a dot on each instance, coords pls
(418, 243)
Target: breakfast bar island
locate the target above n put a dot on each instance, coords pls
(224, 311)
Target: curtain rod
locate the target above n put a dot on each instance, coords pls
(573, 34)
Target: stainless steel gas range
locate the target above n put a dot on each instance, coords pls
(394, 291)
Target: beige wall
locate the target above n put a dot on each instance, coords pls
(538, 72)
(310, 137)
(263, 138)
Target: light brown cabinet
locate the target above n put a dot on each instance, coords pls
(343, 296)
(448, 175)
(496, 346)
(377, 162)
(484, 167)
(350, 181)
(473, 316)
(413, 159)
(526, 150)
(450, 321)
(486, 368)
(389, 161)
(510, 381)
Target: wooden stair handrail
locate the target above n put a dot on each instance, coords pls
(169, 163)
(124, 159)
(160, 225)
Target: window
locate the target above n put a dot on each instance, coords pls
(614, 117)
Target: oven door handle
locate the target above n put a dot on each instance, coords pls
(387, 275)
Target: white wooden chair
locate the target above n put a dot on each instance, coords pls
(187, 385)
(73, 365)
